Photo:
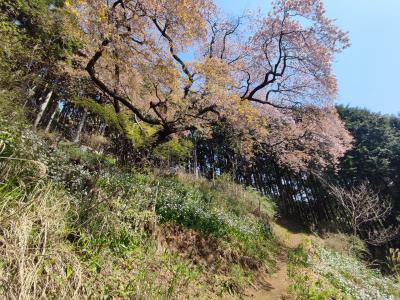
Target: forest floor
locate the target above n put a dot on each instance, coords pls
(275, 286)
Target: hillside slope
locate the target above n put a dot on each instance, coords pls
(76, 225)
(73, 224)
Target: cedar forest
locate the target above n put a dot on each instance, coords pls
(160, 149)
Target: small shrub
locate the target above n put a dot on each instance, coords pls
(393, 261)
(346, 244)
(7, 144)
(235, 280)
(95, 141)
(298, 257)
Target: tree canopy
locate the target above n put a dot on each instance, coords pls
(181, 66)
(375, 153)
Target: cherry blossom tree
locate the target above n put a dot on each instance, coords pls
(180, 65)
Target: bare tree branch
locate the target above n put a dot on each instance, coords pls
(90, 68)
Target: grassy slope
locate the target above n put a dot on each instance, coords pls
(73, 225)
(318, 271)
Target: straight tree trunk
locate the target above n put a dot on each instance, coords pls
(80, 127)
(195, 161)
(51, 119)
(42, 109)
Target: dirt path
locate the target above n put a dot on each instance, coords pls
(275, 286)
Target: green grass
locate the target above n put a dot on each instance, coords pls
(75, 225)
(320, 273)
(49, 248)
(87, 232)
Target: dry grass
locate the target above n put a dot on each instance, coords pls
(95, 141)
(34, 259)
(345, 244)
(37, 261)
(48, 250)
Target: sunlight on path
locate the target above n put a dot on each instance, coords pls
(276, 285)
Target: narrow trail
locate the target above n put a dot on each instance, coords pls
(275, 286)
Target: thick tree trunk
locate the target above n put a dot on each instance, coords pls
(42, 109)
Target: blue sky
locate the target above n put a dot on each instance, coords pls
(368, 72)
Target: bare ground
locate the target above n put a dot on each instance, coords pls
(275, 286)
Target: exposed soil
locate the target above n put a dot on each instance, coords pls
(275, 286)
(205, 251)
